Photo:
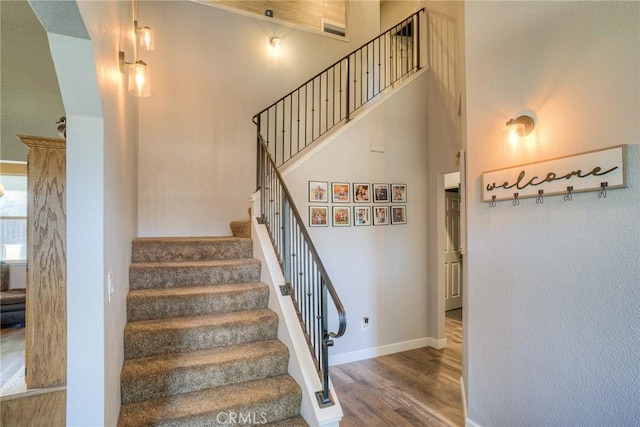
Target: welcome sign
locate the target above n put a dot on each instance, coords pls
(588, 171)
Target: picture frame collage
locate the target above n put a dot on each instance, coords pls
(349, 204)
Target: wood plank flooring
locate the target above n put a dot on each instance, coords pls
(12, 361)
(419, 387)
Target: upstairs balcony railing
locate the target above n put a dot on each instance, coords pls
(331, 97)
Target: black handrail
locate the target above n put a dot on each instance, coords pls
(290, 125)
(305, 276)
(329, 98)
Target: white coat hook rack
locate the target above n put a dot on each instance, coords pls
(598, 171)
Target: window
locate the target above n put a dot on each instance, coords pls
(13, 210)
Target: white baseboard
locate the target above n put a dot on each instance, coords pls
(464, 397)
(368, 353)
(469, 423)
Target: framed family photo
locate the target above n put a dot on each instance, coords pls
(361, 193)
(318, 216)
(362, 215)
(381, 193)
(340, 192)
(341, 216)
(318, 191)
(399, 193)
(380, 215)
(398, 214)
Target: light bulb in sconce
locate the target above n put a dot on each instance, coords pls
(516, 130)
(276, 45)
(146, 37)
(139, 77)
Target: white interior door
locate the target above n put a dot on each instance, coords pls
(452, 258)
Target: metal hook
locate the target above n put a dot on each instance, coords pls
(492, 203)
(540, 199)
(603, 190)
(569, 196)
(516, 200)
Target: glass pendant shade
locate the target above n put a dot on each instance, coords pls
(146, 38)
(139, 79)
(512, 134)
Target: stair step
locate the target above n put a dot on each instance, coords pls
(146, 275)
(241, 228)
(256, 402)
(178, 335)
(157, 376)
(289, 422)
(150, 249)
(152, 304)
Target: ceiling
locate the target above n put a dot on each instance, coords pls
(310, 14)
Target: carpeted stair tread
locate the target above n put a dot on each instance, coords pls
(148, 249)
(156, 376)
(241, 228)
(145, 275)
(200, 345)
(150, 304)
(269, 400)
(289, 422)
(175, 335)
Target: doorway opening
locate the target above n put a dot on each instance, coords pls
(452, 254)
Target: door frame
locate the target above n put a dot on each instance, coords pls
(441, 186)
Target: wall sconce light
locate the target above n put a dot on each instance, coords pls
(516, 129)
(139, 76)
(276, 44)
(146, 37)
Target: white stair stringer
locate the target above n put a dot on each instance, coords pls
(301, 364)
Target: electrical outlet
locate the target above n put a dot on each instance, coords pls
(365, 323)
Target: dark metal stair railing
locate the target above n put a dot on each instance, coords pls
(306, 279)
(299, 118)
(290, 125)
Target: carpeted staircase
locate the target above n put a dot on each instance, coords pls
(200, 346)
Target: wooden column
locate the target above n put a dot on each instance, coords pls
(46, 316)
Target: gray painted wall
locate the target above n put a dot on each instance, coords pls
(554, 289)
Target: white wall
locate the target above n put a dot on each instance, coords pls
(378, 271)
(394, 11)
(110, 25)
(101, 196)
(554, 291)
(211, 72)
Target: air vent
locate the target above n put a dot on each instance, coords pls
(333, 28)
